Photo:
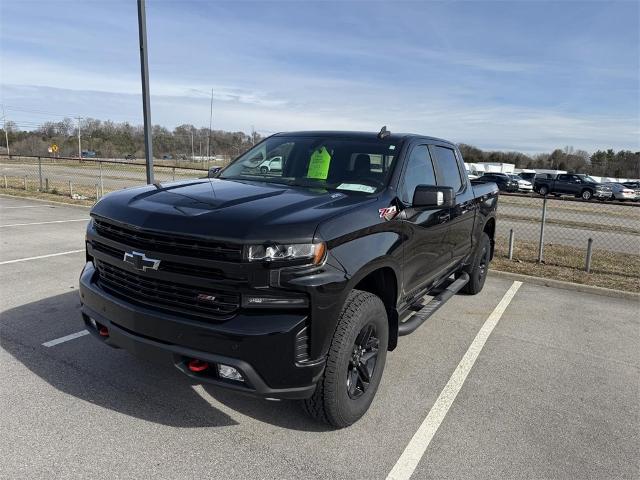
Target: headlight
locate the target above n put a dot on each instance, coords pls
(312, 251)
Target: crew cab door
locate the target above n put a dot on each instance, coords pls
(424, 250)
(563, 184)
(450, 172)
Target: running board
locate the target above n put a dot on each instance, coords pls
(411, 325)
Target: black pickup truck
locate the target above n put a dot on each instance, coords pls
(292, 283)
(578, 185)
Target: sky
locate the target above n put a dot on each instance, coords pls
(520, 75)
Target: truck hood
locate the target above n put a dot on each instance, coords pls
(228, 210)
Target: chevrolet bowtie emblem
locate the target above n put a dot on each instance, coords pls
(140, 261)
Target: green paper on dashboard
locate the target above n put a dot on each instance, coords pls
(319, 164)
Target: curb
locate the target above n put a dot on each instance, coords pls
(575, 287)
(45, 201)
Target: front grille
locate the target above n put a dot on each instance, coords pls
(173, 244)
(171, 267)
(164, 295)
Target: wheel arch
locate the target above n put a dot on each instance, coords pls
(382, 281)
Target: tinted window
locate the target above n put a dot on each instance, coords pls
(563, 178)
(448, 173)
(419, 172)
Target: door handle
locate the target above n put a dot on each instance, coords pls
(444, 217)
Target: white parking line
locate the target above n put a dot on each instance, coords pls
(408, 461)
(66, 338)
(45, 223)
(6, 262)
(27, 206)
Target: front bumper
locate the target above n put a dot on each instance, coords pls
(261, 346)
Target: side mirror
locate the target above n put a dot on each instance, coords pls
(433, 196)
(213, 172)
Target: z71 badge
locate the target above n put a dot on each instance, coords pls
(388, 213)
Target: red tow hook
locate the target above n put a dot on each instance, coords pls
(196, 365)
(103, 331)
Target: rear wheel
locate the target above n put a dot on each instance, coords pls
(354, 364)
(478, 269)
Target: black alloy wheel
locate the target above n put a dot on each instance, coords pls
(363, 361)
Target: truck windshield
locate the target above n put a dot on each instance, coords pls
(357, 165)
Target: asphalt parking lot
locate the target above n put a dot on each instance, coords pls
(553, 393)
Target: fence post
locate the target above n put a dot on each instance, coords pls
(25, 183)
(511, 244)
(46, 183)
(174, 173)
(40, 172)
(5, 182)
(70, 189)
(97, 193)
(101, 182)
(587, 266)
(542, 222)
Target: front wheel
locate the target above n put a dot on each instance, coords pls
(543, 190)
(354, 364)
(586, 195)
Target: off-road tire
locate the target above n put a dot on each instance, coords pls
(479, 267)
(331, 403)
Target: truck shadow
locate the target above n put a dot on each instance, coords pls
(98, 374)
(118, 381)
(287, 414)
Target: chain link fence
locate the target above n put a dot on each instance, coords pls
(594, 237)
(554, 232)
(86, 179)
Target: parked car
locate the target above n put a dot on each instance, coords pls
(621, 192)
(523, 185)
(273, 164)
(504, 182)
(578, 185)
(88, 154)
(290, 288)
(528, 176)
(129, 156)
(167, 157)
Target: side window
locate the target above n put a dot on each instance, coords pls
(563, 178)
(447, 166)
(419, 171)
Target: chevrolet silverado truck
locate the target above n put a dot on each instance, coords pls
(291, 283)
(578, 185)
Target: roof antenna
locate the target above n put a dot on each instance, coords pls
(383, 132)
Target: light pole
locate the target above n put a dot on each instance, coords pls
(144, 70)
(79, 141)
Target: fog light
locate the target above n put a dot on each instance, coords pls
(230, 373)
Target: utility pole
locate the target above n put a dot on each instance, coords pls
(79, 141)
(144, 71)
(253, 135)
(192, 145)
(210, 124)
(6, 133)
